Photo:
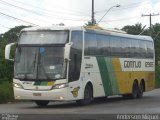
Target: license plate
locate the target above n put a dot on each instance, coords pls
(37, 94)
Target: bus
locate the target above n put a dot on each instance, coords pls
(79, 64)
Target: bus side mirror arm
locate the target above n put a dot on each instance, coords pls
(8, 50)
(67, 51)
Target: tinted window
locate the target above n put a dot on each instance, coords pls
(150, 49)
(143, 48)
(115, 46)
(126, 45)
(135, 51)
(76, 56)
(90, 44)
(103, 45)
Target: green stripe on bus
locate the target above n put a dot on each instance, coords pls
(104, 75)
(41, 83)
(112, 76)
(44, 83)
(37, 83)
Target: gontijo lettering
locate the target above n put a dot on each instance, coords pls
(132, 64)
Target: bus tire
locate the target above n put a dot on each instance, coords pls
(140, 90)
(134, 90)
(42, 103)
(88, 96)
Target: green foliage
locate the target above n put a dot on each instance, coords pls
(12, 34)
(90, 23)
(156, 37)
(6, 92)
(134, 29)
(6, 67)
(157, 82)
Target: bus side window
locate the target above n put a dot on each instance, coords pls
(143, 48)
(135, 51)
(103, 45)
(150, 51)
(126, 45)
(90, 44)
(115, 46)
(76, 56)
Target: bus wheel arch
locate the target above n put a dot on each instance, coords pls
(88, 95)
(90, 84)
(144, 85)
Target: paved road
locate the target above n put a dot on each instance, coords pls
(150, 103)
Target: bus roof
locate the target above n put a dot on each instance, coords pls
(98, 30)
(51, 28)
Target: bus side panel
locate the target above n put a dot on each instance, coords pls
(126, 77)
(123, 78)
(92, 73)
(108, 76)
(136, 69)
(150, 81)
(112, 76)
(117, 79)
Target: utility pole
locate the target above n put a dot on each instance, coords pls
(93, 20)
(150, 20)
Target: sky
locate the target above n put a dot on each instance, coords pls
(76, 12)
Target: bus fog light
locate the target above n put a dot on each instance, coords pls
(18, 97)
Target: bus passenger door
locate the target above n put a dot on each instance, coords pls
(75, 65)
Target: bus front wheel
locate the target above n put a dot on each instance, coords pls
(88, 96)
(42, 103)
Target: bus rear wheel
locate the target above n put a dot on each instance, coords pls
(42, 103)
(88, 96)
(135, 88)
(140, 90)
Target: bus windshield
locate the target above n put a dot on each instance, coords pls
(40, 63)
(40, 55)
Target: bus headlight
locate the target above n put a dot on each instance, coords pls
(59, 86)
(16, 85)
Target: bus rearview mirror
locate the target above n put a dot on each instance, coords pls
(8, 50)
(67, 51)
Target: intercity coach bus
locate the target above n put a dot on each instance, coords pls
(79, 64)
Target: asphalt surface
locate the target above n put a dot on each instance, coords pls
(113, 106)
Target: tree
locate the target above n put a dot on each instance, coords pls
(134, 29)
(12, 34)
(156, 37)
(6, 67)
(91, 24)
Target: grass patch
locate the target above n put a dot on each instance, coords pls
(157, 77)
(6, 92)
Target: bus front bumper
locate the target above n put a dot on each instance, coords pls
(55, 94)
